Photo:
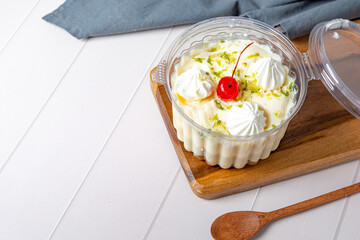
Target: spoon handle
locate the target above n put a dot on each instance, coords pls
(314, 202)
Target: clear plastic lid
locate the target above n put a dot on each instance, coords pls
(334, 56)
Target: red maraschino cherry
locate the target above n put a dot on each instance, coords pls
(228, 87)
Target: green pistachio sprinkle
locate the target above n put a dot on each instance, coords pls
(244, 64)
(222, 41)
(275, 95)
(214, 117)
(291, 86)
(218, 74)
(209, 60)
(200, 60)
(219, 105)
(285, 93)
(214, 49)
(273, 126)
(229, 107)
(251, 86)
(254, 55)
(226, 56)
(218, 123)
(207, 73)
(215, 123)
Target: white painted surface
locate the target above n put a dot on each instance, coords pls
(349, 228)
(12, 15)
(125, 196)
(185, 216)
(85, 154)
(68, 135)
(31, 66)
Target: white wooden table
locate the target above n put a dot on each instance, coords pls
(84, 153)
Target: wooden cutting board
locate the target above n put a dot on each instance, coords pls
(321, 135)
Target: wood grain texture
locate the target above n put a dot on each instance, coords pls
(321, 135)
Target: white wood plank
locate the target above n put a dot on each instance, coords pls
(31, 66)
(123, 191)
(48, 167)
(185, 216)
(349, 227)
(12, 15)
(317, 223)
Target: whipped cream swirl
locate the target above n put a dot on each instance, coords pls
(193, 84)
(245, 120)
(270, 73)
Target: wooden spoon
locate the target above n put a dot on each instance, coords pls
(244, 224)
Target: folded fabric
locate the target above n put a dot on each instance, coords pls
(88, 18)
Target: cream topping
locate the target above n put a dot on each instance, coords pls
(193, 84)
(270, 73)
(217, 60)
(245, 120)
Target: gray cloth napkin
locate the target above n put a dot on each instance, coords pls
(87, 18)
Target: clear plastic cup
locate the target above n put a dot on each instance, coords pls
(228, 150)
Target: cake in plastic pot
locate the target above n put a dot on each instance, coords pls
(271, 77)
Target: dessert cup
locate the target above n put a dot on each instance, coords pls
(230, 150)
